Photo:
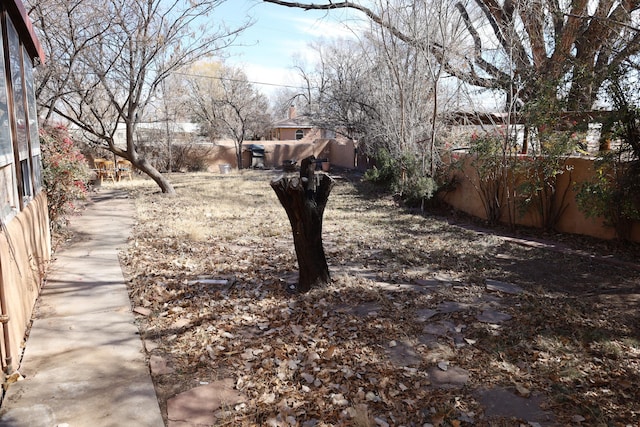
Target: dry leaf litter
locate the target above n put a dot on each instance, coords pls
(421, 322)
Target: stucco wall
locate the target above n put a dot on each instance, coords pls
(343, 153)
(339, 153)
(466, 198)
(24, 253)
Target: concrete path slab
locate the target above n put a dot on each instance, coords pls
(84, 362)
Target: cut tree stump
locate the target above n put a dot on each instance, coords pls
(304, 198)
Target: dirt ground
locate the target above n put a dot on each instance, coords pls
(429, 319)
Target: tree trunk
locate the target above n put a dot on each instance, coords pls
(304, 198)
(239, 155)
(144, 166)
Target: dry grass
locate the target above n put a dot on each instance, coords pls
(328, 355)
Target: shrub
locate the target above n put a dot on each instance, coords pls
(613, 193)
(490, 159)
(65, 174)
(404, 176)
(190, 157)
(385, 172)
(540, 172)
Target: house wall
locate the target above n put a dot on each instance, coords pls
(466, 198)
(25, 248)
(25, 243)
(289, 134)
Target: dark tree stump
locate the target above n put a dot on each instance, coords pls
(304, 198)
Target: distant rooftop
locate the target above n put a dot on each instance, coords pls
(294, 121)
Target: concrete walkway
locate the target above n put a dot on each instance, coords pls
(84, 363)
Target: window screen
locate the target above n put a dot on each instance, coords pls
(6, 148)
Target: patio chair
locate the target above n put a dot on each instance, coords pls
(106, 170)
(98, 167)
(124, 169)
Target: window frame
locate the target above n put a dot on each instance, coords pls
(20, 163)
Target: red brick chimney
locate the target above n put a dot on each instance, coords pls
(292, 111)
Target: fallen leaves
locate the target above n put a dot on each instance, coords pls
(360, 351)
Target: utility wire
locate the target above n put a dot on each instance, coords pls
(237, 80)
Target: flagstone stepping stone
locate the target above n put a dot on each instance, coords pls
(445, 278)
(425, 314)
(452, 306)
(159, 365)
(394, 287)
(491, 316)
(430, 283)
(498, 286)
(501, 402)
(403, 354)
(453, 377)
(150, 345)
(198, 406)
(441, 328)
(361, 310)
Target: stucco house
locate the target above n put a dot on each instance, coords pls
(298, 128)
(25, 242)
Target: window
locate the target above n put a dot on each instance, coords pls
(32, 116)
(6, 147)
(299, 134)
(20, 113)
(8, 189)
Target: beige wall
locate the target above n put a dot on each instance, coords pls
(25, 249)
(466, 198)
(339, 153)
(343, 153)
(285, 134)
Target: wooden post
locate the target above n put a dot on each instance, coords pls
(304, 198)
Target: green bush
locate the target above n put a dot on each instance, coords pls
(385, 172)
(613, 193)
(403, 176)
(65, 174)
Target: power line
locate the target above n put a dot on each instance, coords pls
(237, 80)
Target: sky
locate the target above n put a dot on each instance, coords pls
(266, 50)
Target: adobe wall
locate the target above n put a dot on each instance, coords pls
(342, 153)
(24, 254)
(466, 198)
(290, 134)
(339, 153)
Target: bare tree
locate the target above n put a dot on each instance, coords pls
(109, 59)
(571, 46)
(341, 81)
(227, 104)
(388, 93)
